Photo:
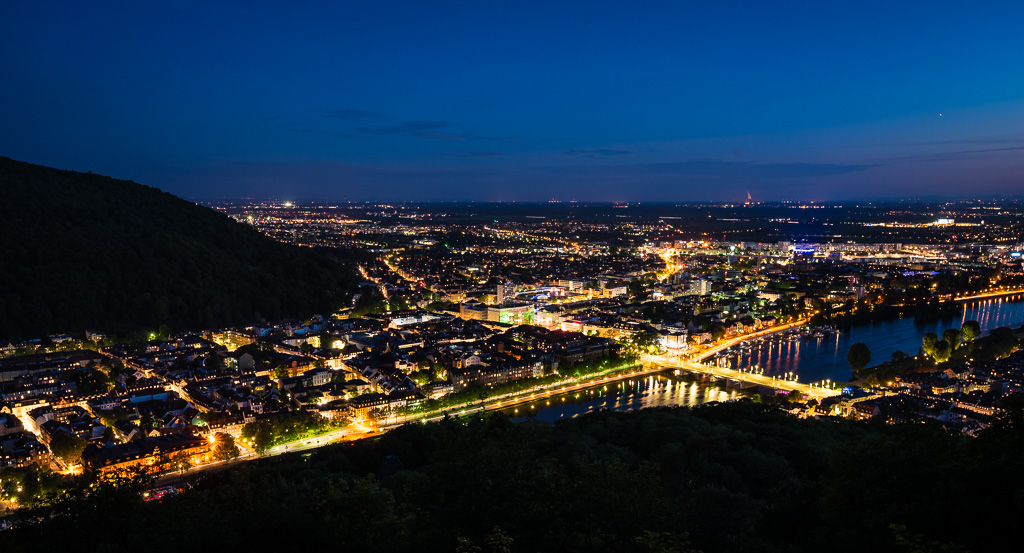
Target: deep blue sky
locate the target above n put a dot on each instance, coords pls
(619, 101)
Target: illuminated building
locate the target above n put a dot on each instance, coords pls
(153, 454)
(510, 313)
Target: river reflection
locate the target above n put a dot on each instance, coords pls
(817, 359)
(814, 359)
(664, 389)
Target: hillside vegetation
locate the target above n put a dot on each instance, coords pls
(728, 478)
(86, 251)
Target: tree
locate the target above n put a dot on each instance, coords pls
(637, 289)
(224, 448)
(67, 447)
(440, 373)
(952, 337)
(928, 343)
(421, 378)
(465, 545)
(818, 319)
(398, 303)
(180, 462)
(263, 438)
(970, 331)
(942, 351)
(370, 301)
(665, 542)
(92, 381)
(260, 434)
(999, 343)
(188, 281)
(499, 541)
(213, 361)
(859, 356)
(643, 342)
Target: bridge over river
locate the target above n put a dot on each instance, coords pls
(751, 378)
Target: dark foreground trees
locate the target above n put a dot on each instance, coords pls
(86, 251)
(734, 477)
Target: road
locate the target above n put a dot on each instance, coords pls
(399, 272)
(347, 434)
(991, 294)
(739, 339)
(494, 405)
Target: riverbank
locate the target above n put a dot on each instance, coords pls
(823, 358)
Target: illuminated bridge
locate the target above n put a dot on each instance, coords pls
(814, 391)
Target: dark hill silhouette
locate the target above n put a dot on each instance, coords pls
(79, 251)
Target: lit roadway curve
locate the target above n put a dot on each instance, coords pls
(750, 378)
(674, 361)
(739, 339)
(491, 405)
(398, 271)
(349, 433)
(992, 293)
(366, 275)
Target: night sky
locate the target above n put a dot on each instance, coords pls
(611, 101)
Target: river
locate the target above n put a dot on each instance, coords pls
(817, 359)
(665, 389)
(813, 359)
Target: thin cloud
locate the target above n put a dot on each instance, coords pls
(728, 169)
(690, 180)
(480, 154)
(598, 152)
(961, 154)
(1011, 138)
(421, 129)
(740, 169)
(503, 138)
(358, 115)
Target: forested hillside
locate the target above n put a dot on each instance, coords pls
(725, 478)
(80, 251)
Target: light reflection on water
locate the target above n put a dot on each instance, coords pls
(817, 359)
(664, 389)
(814, 359)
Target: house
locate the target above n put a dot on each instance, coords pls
(865, 410)
(239, 360)
(127, 431)
(489, 375)
(95, 336)
(9, 424)
(365, 403)
(151, 454)
(317, 377)
(21, 449)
